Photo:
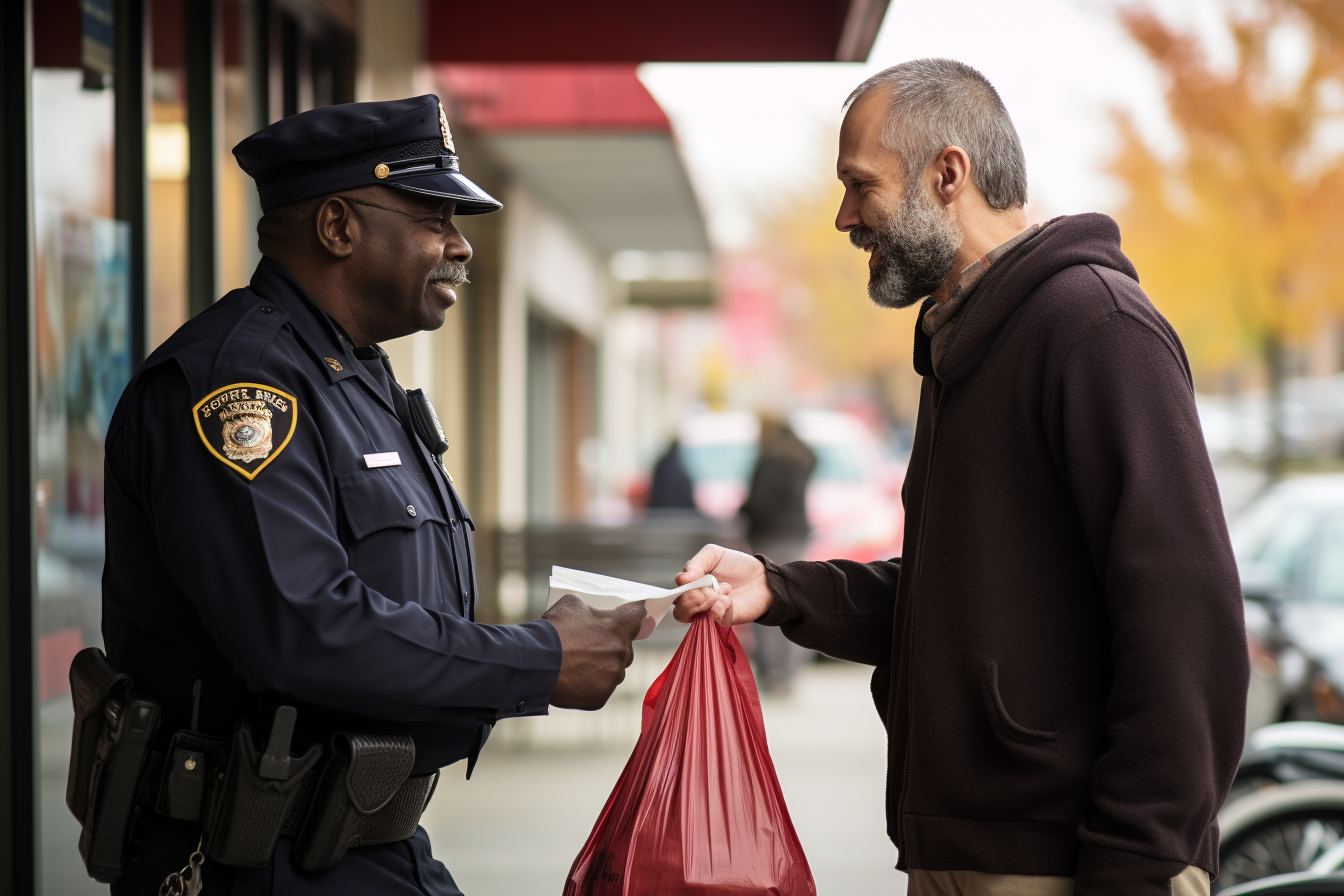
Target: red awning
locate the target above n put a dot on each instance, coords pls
(626, 31)
(497, 99)
(590, 141)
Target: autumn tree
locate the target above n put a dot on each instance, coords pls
(1237, 237)
(831, 324)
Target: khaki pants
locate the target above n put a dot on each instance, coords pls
(1190, 882)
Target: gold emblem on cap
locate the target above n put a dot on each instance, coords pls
(381, 171)
(443, 129)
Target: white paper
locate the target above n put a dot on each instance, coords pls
(607, 593)
(383, 459)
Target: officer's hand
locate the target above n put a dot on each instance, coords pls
(596, 646)
(739, 574)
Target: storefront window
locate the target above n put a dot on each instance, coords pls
(82, 319)
(239, 209)
(167, 144)
(82, 293)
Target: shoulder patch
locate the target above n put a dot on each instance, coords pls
(245, 424)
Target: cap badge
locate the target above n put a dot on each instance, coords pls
(241, 423)
(381, 171)
(443, 129)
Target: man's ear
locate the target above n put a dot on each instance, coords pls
(953, 168)
(337, 228)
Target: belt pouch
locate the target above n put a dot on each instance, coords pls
(111, 746)
(364, 797)
(246, 812)
(185, 772)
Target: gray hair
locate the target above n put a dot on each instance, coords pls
(937, 103)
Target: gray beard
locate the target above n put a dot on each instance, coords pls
(917, 247)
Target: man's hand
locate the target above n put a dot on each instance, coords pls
(740, 574)
(596, 647)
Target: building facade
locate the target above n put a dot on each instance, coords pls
(124, 214)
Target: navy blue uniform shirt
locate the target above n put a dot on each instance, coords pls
(254, 543)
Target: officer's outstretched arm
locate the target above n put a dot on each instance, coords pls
(261, 560)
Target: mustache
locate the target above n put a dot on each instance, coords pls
(862, 237)
(454, 273)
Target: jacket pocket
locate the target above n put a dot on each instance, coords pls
(385, 498)
(1003, 723)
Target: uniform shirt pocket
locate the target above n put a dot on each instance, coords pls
(384, 498)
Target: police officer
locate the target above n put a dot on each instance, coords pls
(280, 532)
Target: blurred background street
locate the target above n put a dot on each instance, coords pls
(664, 333)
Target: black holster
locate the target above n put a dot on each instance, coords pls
(244, 800)
(110, 748)
(365, 796)
(247, 813)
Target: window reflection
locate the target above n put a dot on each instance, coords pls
(167, 142)
(81, 328)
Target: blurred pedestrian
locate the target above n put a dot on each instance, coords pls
(777, 527)
(1061, 651)
(672, 488)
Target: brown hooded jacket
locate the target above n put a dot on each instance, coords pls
(1061, 654)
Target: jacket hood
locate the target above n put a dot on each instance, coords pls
(1062, 243)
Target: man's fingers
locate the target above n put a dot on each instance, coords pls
(564, 607)
(630, 617)
(697, 601)
(561, 605)
(723, 612)
(703, 562)
(690, 572)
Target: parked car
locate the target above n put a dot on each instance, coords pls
(853, 497)
(1283, 824)
(1290, 552)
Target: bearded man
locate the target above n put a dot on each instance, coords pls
(1060, 652)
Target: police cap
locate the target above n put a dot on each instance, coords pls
(405, 144)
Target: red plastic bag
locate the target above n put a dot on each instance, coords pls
(697, 810)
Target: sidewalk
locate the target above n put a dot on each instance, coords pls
(515, 828)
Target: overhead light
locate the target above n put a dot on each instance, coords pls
(167, 151)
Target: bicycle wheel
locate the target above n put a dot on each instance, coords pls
(1280, 830)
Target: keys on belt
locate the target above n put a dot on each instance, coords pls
(188, 881)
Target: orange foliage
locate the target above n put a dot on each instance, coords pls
(833, 326)
(1237, 238)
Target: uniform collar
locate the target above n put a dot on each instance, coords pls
(323, 336)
